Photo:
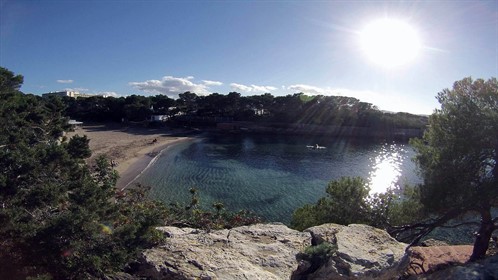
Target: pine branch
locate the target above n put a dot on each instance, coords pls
(424, 228)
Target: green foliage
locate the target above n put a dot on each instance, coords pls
(316, 256)
(192, 215)
(458, 155)
(322, 251)
(399, 210)
(78, 147)
(459, 152)
(348, 201)
(9, 82)
(137, 108)
(58, 219)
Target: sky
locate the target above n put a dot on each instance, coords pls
(155, 47)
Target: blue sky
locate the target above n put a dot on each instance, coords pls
(252, 47)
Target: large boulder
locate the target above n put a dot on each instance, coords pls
(272, 251)
(362, 252)
(262, 251)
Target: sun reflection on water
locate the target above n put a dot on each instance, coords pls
(386, 168)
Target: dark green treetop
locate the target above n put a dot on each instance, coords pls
(58, 218)
(458, 155)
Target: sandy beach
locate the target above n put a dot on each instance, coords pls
(132, 148)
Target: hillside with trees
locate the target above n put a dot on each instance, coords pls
(207, 110)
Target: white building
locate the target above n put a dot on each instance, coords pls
(68, 93)
(158, 118)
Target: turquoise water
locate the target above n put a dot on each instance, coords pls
(273, 175)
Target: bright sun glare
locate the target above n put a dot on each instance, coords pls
(390, 42)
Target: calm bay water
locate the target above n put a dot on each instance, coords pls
(273, 175)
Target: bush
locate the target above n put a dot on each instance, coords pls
(348, 201)
(193, 216)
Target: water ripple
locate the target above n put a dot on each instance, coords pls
(273, 175)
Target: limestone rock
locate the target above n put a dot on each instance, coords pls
(262, 251)
(272, 251)
(363, 252)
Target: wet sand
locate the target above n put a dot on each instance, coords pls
(132, 148)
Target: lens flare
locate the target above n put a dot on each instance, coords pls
(390, 42)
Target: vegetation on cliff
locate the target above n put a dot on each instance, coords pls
(348, 202)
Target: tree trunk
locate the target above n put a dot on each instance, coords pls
(495, 168)
(481, 243)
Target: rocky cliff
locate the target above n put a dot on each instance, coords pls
(273, 251)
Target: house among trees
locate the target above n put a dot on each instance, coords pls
(159, 118)
(67, 93)
(261, 112)
(74, 123)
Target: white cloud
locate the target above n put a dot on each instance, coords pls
(252, 88)
(171, 86)
(211, 83)
(109, 93)
(65, 81)
(239, 87)
(308, 89)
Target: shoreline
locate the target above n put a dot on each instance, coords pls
(137, 165)
(131, 149)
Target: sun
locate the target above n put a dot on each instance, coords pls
(390, 42)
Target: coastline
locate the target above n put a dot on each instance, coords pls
(132, 148)
(130, 170)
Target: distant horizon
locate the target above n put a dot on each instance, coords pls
(395, 55)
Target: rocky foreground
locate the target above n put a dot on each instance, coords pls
(273, 251)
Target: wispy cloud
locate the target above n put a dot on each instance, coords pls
(252, 88)
(172, 86)
(109, 93)
(307, 89)
(65, 81)
(211, 83)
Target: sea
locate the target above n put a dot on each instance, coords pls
(272, 175)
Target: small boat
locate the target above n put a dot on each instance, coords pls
(315, 147)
